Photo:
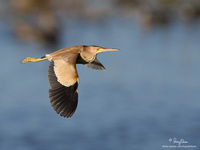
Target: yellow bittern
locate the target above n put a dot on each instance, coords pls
(63, 76)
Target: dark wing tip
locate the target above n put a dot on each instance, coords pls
(64, 100)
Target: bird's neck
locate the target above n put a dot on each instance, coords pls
(87, 57)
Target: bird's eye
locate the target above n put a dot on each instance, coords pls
(98, 49)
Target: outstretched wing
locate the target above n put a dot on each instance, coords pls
(63, 79)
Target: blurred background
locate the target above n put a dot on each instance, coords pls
(149, 94)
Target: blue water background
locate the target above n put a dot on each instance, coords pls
(149, 93)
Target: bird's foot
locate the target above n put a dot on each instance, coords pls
(31, 59)
(27, 59)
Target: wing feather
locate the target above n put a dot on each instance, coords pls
(63, 87)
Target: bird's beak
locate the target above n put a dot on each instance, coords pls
(107, 50)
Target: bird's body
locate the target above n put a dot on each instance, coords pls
(63, 76)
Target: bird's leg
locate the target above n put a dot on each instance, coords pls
(31, 59)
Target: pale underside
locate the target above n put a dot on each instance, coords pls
(66, 72)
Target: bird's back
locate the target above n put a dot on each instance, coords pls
(75, 50)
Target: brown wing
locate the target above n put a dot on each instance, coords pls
(63, 79)
(75, 50)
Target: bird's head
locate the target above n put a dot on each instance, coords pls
(89, 52)
(96, 49)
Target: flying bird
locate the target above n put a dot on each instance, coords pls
(63, 76)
